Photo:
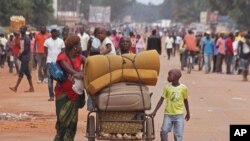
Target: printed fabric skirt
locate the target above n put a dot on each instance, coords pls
(67, 118)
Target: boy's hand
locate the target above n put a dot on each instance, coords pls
(187, 117)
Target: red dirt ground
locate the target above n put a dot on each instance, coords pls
(216, 101)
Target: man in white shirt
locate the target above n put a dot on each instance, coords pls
(84, 38)
(178, 41)
(169, 45)
(53, 46)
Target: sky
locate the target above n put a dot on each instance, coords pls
(155, 2)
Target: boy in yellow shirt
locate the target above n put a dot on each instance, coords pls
(176, 97)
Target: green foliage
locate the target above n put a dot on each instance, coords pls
(43, 11)
(36, 12)
(236, 9)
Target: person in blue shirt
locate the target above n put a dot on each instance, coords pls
(208, 51)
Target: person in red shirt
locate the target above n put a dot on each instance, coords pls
(229, 53)
(190, 47)
(16, 49)
(40, 38)
(67, 101)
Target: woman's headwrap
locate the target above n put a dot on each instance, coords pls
(71, 41)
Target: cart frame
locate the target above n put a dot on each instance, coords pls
(93, 127)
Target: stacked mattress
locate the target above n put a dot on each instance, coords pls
(101, 71)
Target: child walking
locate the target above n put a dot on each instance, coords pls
(176, 97)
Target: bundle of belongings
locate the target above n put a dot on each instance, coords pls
(16, 22)
(101, 71)
(118, 86)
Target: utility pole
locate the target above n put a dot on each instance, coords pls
(78, 7)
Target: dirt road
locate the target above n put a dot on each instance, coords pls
(216, 101)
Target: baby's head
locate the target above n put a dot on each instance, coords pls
(174, 75)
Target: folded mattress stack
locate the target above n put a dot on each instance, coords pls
(101, 71)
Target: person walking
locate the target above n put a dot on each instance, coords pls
(176, 97)
(24, 57)
(154, 42)
(65, 33)
(67, 105)
(84, 40)
(208, 51)
(40, 38)
(16, 50)
(169, 42)
(53, 46)
(221, 53)
(9, 52)
(215, 37)
(244, 56)
(229, 53)
(33, 61)
(190, 43)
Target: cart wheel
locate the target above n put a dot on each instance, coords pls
(91, 128)
(149, 129)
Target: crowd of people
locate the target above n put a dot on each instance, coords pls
(37, 50)
(233, 49)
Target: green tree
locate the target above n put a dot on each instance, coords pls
(236, 9)
(36, 12)
(42, 11)
(9, 8)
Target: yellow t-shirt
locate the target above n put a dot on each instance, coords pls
(174, 97)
